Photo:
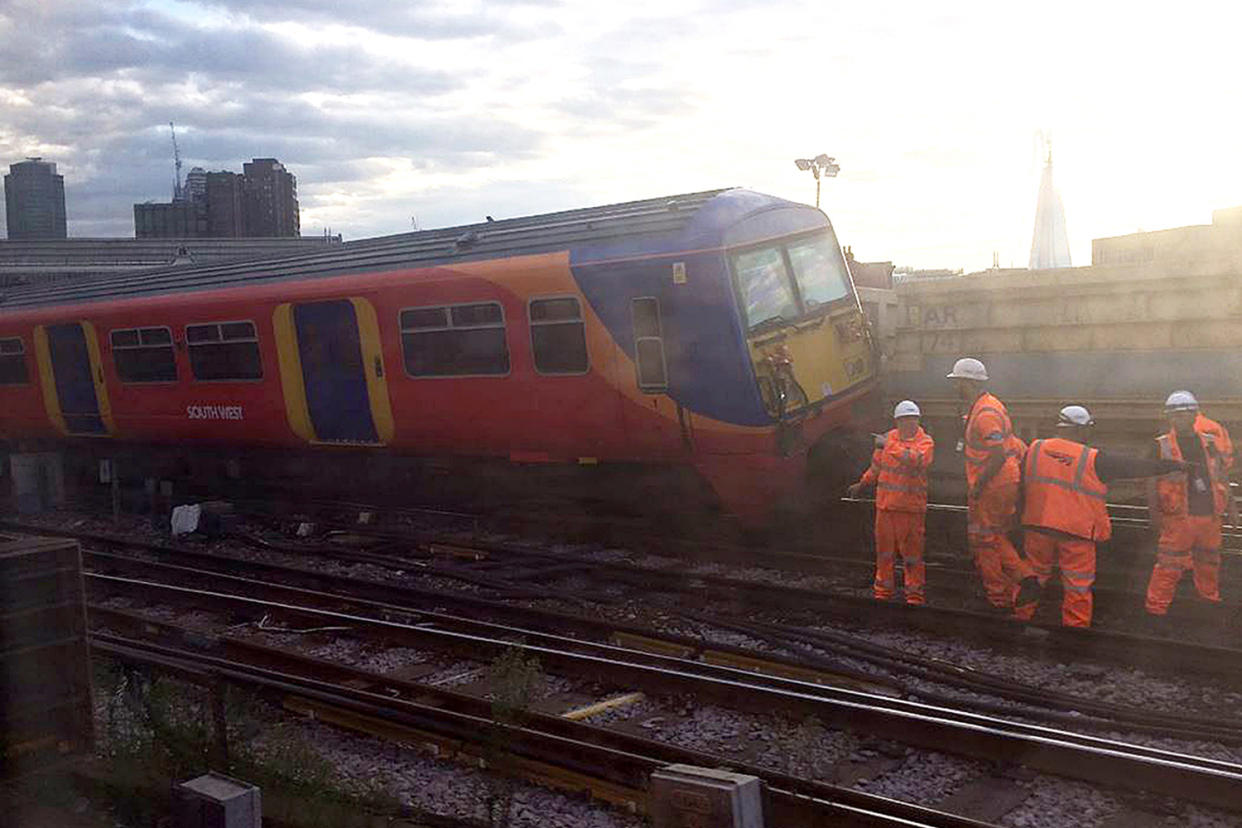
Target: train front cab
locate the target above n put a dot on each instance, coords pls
(813, 363)
(805, 331)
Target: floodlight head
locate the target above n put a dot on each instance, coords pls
(823, 160)
(803, 163)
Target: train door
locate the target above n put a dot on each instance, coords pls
(73, 386)
(334, 372)
(659, 424)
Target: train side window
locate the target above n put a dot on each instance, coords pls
(222, 351)
(144, 355)
(455, 340)
(649, 345)
(13, 370)
(558, 336)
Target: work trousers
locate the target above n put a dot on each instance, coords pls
(1075, 557)
(1189, 542)
(989, 516)
(899, 532)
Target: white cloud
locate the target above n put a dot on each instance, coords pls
(449, 109)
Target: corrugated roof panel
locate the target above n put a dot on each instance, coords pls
(487, 240)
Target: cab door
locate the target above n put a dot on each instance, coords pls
(333, 372)
(74, 393)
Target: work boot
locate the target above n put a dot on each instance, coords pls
(1156, 626)
(1213, 617)
(1029, 592)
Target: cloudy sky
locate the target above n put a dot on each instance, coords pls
(449, 111)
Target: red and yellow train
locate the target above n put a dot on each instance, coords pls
(716, 331)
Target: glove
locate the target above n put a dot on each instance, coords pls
(854, 490)
(881, 440)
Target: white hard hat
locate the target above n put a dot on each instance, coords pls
(906, 408)
(968, 368)
(1181, 401)
(1075, 415)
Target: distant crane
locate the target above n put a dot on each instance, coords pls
(178, 193)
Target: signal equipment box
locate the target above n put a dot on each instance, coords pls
(45, 679)
(684, 796)
(214, 800)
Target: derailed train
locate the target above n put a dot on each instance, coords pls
(717, 332)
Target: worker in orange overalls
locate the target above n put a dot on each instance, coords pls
(899, 473)
(993, 457)
(1065, 513)
(1186, 507)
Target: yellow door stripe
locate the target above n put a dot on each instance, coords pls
(291, 382)
(47, 379)
(51, 399)
(97, 376)
(373, 368)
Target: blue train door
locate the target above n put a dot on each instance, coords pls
(75, 379)
(333, 372)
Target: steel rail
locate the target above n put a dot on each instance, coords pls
(1041, 748)
(574, 746)
(382, 598)
(1108, 646)
(541, 625)
(950, 574)
(1081, 710)
(1113, 646)
(1120, 514)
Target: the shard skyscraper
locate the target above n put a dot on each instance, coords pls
(1050, 245)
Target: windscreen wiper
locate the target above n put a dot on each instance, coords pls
(778, 318)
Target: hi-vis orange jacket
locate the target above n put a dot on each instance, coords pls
(1218, 450)
(899, 472)
(1062, 490)
(988, 425)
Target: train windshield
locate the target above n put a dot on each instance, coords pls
(768, 288)
(820, 271)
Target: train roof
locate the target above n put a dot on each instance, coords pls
(664, 217)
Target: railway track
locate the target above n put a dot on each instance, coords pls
(1042, 746)
(476, 562)
(843, 597)
(1124, 565)
(614, 767)
(506, 580)
(510, 570)
(379, 598)
(1061, 752)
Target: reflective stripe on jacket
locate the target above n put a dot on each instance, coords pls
(1219, 436)
(899, 472)
(1218, 451)
(1063, 491)
(988, 425)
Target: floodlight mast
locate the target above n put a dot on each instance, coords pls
(820, 165)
